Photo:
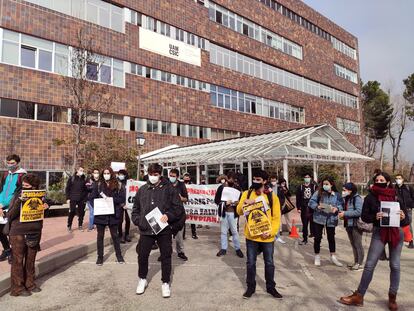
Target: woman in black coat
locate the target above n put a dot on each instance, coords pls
(109, 187)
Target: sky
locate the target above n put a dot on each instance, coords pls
(385, 32)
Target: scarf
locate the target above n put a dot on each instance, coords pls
(390, 235)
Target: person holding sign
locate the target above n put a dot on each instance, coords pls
(326, 203)
(109, 196)
(261, 207)
(381, 192)
(157, 202)
(25, 233)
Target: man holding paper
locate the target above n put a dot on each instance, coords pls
(157, 207)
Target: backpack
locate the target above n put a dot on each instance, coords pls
(19, 178)
(362, 225)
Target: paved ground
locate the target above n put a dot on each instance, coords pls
(206, 282)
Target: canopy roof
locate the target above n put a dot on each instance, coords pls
(320, 143)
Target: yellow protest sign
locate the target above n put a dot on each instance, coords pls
(256, 218)
(32, 205)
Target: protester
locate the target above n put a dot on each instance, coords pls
(10, 184)
(109, 187)
(91, 184)
(326, 203)
(182, 192)
(124, 237)
(25, 238)
(381, 191)
(303, 195)
(187, 181)
(284, 196)
(405, 195)
(228, 217)
(157, 193)
(77, 195)
(264, 242)
(275, 188)
(350, 215)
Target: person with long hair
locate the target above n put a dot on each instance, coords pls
(381, 191)
(326, 203)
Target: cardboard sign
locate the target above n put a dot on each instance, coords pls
(32, 205)
(117, 166)
(256, 219)
(103, 206)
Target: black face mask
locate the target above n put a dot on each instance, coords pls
(381, 184)
(256, 186)
(186, 181)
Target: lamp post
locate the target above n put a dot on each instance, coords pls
(140, 142)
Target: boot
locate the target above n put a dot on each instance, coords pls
(410, 245)
(356, 299)
(392, 302)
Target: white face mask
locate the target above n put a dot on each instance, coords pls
(153, 179)
(96, 176)
(223, 181)
(107, 176)
(274, 183)
(345, 194)
(80, 173)
(399, 181)
(121, 177)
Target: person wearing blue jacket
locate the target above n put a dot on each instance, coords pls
(351, 213)
(326, 203)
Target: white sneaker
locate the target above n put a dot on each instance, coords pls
(335, 261)
(317, 260)
(279, 239)
(166, 291)
(231, 238)
(357, 267)
(142, 285)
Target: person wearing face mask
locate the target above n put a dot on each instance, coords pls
(10, 183)
(284, 195)
(381, 191)
(351, 213)
(109, 186)
(77, 195)
(326, 203)
(265, 242)
(124, 237)
(303, 194)
(405, 197)
(91, 184)
(275, 188)
(25, 238)
(187, 181)
(157, 193)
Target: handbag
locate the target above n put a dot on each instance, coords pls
(363, 226)
(408, 237)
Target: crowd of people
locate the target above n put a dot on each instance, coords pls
(321, 207)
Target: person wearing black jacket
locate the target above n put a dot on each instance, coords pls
(122, 178)
(381, 191)
(405, 197)
(77, 195)
(303, 195)
(109, 187)
(157, 193)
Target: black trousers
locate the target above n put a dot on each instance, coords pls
(4, 239)
(193, 230)
(318, 231)
(76, 207)
(144, 246)
(124, 214)
(115, 239)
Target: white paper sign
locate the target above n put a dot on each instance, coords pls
(390, 214)
(157, 43)
(154, 220)
(117, 166)
(103, 206)
(230, 194)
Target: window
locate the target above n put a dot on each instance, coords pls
(105, 120)
(44, 112)
(152, 126)
(26, 110)
(92, 71)
(8, 108)
(28, 56)
(166, 128)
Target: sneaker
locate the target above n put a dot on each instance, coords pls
(335, 261)
(182, 256)
(317, 260)
(127, 238)
(357, 267)
(199, 226)
(36, 290)
(280, 240)
(122, 241)
(311, 236)
(195, 237)
(231, 238)
(89, 230)
(303, 242)
(248, 293)
(351, 264)
(120, 260)
(99, 261)
(275, 293)
(410, 245)
(239, 253)
(166, 291)
(142, 285)
(81, 229)
(221, 252)
(5, 255)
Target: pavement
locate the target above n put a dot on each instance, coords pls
(207, 282)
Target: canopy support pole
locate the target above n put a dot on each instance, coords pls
(198, 173)
(315, 171)
(262, 162)
(249, 173)
(348, 172)
(206, 173)
(286, 171)
(221, 169)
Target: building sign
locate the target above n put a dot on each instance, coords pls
(154, 42)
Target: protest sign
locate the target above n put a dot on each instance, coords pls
(103, 206)
(200, 208)
(230, 194)
(32, 205)
(132, 187)
(256, 219)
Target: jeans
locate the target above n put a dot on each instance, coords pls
(179, 242)
(355, 237)
(115, 240)
(4, 239)
(252, 250)
(144, 246)
(124, 215)
(375, 250)
(318, 231)
(76, 207)
(90, 208)
(229, 222)
(410, 219)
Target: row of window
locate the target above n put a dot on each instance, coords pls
(31, 52)
(244, 64)
(346, 73)
(95, 11)
(337, 44)
(168, 30)
(348, 126)
(233, 21)
(167, 77)
(234, 100)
